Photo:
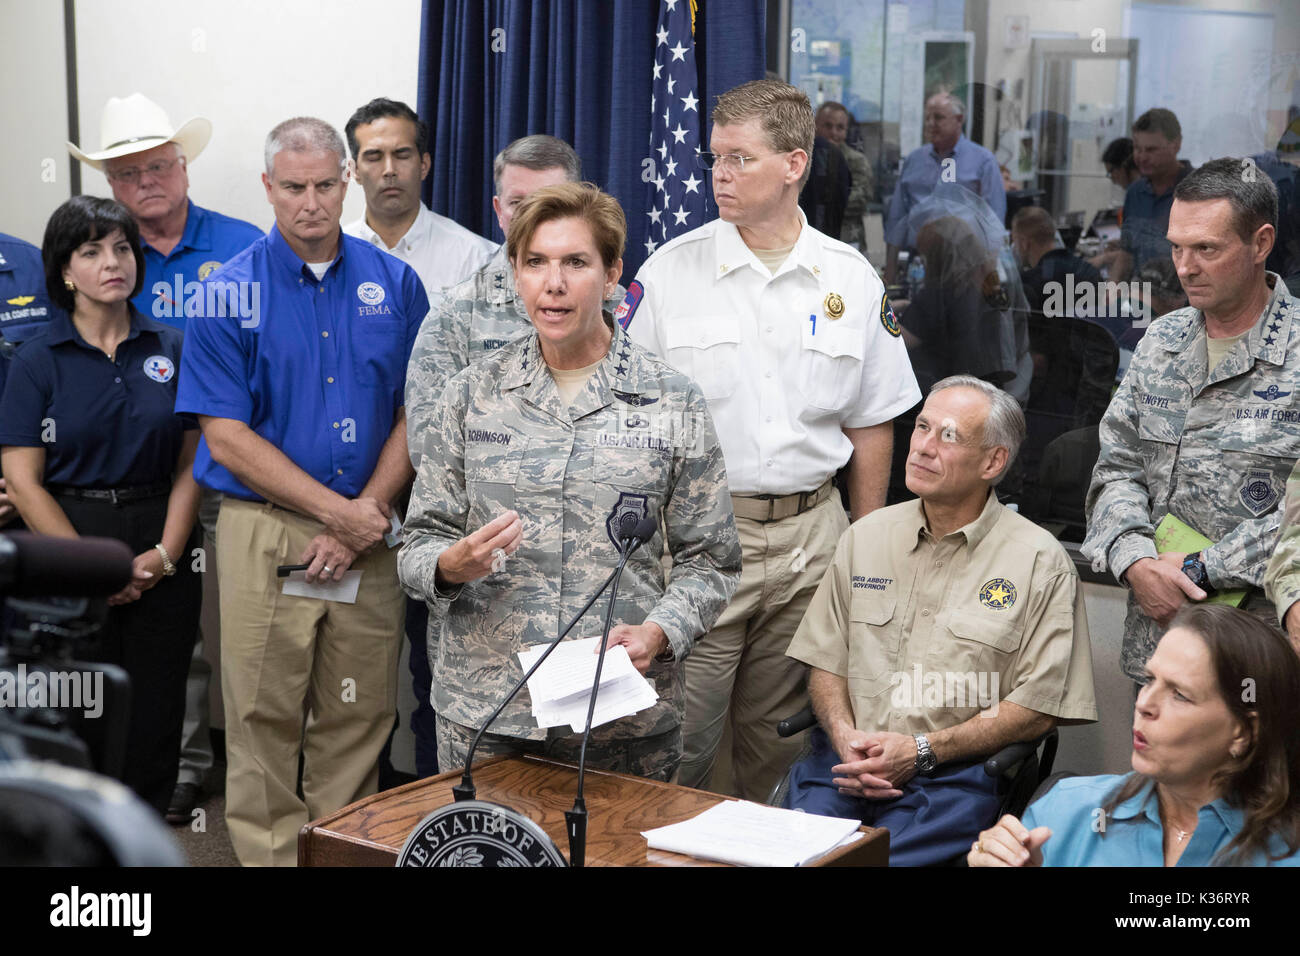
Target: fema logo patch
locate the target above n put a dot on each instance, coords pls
(625, 516)
(371, 293)
(207, 269)
(1257, 492)
(887, 318)
(998, 594)
(627, 308)
(159, 368)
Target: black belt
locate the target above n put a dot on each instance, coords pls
(115, 495)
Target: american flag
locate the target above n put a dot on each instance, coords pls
(677, 193)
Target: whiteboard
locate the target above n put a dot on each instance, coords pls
(1211, 68)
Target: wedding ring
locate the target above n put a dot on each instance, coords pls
(327, 569)
(499, 557)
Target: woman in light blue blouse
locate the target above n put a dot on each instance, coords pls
(1216, 763)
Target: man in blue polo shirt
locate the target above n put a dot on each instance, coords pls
(948, 157)
(146, 161)
(297, 374)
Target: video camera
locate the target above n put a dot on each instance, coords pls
(53, 705)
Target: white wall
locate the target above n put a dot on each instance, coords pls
(33, 116)
(244, 64)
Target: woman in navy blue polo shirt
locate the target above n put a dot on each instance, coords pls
(92, 446)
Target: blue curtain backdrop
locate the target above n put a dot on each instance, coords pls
(494, 70)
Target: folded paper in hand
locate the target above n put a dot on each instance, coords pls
(561, 688)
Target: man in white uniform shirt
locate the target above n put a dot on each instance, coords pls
(388, 144)
(789, 335)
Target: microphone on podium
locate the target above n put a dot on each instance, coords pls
(631, 535)
(576, 819)
(475, 833)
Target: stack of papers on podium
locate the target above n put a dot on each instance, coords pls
(750, 834)
(561, 688)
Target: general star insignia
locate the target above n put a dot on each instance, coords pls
(834, 305)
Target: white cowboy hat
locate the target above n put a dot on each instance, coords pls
(136, 123)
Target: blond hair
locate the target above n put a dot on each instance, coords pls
(599, 210)
(782, 110)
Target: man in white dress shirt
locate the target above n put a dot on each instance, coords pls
(789, 335)
(389, 150)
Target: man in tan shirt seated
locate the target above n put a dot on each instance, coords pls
(946, 628)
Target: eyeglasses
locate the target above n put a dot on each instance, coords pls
(731, 162)
(131, 175)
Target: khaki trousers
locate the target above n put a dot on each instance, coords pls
(738, 673)
(299, 676)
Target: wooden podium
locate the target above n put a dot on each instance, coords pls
(371, 832)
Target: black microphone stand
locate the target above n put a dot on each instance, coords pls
(576, 819)
(465, 789)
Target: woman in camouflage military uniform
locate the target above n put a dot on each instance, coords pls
(539, 449)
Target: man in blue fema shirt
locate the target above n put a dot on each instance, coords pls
(296, 371)
(146, 161)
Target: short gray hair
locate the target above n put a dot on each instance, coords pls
(958, 107)
(1004, 427)
(537, 152)
(304, 134)
(1249, 191)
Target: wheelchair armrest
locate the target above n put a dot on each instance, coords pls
(1009, 756)
(797, 722)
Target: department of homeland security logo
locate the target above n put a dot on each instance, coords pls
(474, 833)
(887, 318)
(159, 368)
(1257, 492)
(998, 594)
(208, 268)
(371, 293)
(625, 516)
(1271, 393)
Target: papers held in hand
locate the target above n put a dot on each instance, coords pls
(750, 834)
(561, 688)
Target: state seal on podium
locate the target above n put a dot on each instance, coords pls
(475, 833)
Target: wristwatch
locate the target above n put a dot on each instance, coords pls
(925, 758)
(1194, 568)
(168, 568)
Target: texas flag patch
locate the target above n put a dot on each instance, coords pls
(627, 308)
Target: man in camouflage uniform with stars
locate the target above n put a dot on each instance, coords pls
(1205, 426)
(790, 337)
